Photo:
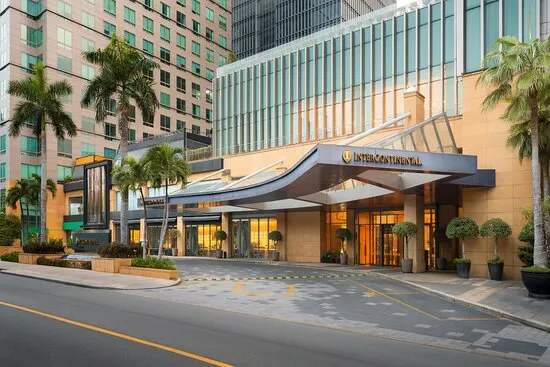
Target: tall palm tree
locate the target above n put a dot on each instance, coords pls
(41, 106)
(167, 166)
(519, 74)
(123, 76)
(133, 175)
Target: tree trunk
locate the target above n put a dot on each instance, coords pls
(145, 222)
(540, 257)
(28, 220)
(463, 250)
(496, 246)
(123, 150)
(43, 181)
(22, 223)
(406, 247)
(545, 167)
(164, 221)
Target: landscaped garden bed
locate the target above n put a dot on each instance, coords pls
(114, 256)
(74, 264)
(53, 249)
(152, 268)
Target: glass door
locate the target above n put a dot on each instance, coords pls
(390, 251)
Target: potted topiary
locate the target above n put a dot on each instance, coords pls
(405, 230)
(535, 278)
(497, 229)
(275, 236)
(219, 236)
(343, 234)
(441, 261)
(462, 228)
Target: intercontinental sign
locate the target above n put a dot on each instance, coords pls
(348, 156)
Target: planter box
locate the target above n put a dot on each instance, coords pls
(69, 250)
(109, 265)
(31, 258)
(151, 273)
(8, 249)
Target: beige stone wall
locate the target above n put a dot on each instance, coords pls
(304, 231)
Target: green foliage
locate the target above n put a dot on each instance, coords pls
(220, 235)
(405, 229)
(330, 257)
(343, 234)
(462, 261)
(55, 242)
(527, 233)
(496, 228)
(536, 269)
(10, 229)
(153, 263)
(495, 260)
(119, 251)
(74, 264)
(274, 236)
(11, 257)
(462, 227)
(525, 254)
(44, 248)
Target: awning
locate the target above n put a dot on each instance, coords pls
(72, 226)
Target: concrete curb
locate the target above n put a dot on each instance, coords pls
(476, 305)
(82, 285)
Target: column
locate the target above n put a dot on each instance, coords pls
(414, 212)
(180, 225)
(227, 226)
(414, 103)
(281, 227)
(351, 243)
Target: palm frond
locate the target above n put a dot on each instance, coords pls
(24, 112)
(59, 89)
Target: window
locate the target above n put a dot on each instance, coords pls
(65, 148)
(75, 205)
(208, 96)
(88, 149)
(209, 74)
(210, 34)
(180, 61)
(180, 125)
(108, 28)
(164, 100)
(132, 114)
(147, 135)
(165, 33)
(148, 4)
(87, 45)
(148, 25)
(196, 91)
(28, 61)
(109, 153)
(149, 73)
(209, 55)
(223, 60)
(196, 129)
(111, 108)
(148, 46)
(165, 10)
(223, 41)
(131, 135)
(3, 144)
(180, 105)
(88, 124)
(196, 48)
(180, 83)
(88, 72)
(181, 2)
(88, 20)
(27, 170)
(64, 172)
(196, 111)
(165, 55)
(164, 123)
(196, 6)
(30, 36)
(64, 64)
(208, 132)
(130, 38)
(181, 41)
(209, 14)
(30, 146)
(208, 114)
(180, 19)
(223, 3)
(2, 172)
(164, 78)
(196, 27)
(64, 9)
(110, 131)
(129, 16)
(222, 21)
(195, 68)
(149, 123)
(109, 6)
(64, 38)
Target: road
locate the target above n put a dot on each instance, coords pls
(48, 324)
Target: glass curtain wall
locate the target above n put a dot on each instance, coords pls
(250, 237)
(199, 240)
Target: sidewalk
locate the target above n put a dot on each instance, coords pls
(84, 278)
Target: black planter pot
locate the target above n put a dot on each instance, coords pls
(537, 284)
(441, 263)
(495, 271)
(219, 254)
(276, 255)
(463, 270)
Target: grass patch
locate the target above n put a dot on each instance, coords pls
(463, 261)
(536, 269)
(153, 263)
(12, 257)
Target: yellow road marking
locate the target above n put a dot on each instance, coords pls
(291, 290)
(396, 300)
(119, 335)
(397, 293)
(239, 289)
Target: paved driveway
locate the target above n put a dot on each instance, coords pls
(364, 303)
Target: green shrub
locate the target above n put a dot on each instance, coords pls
(495, 260)
(44, 248)
(119, 251)
(74, 264)
(11, 257)
(330, 257)
(153, 263)
(463, 261)
(219, 236)
(274, 236)
(525, 255)
(527, 235)
(55, 242)
(536, 269)
(10, 229)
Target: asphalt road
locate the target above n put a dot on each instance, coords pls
(48, 324)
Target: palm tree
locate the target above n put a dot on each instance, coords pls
(519, 74)
(123, 77)
(133, 175)
(41, 106)
(167, 166)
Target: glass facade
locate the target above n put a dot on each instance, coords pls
(199, 239)
(250, 237)
(351, 77)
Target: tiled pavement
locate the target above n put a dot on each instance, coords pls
(362, 304)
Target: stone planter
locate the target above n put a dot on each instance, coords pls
(68, 251)
(26, 258)
(537, 284)
(276, 255)
(343, 259)
(407, 265)
(9, 249)
(109, 265)
(463, 270)
(150, 273)
(495, 271)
